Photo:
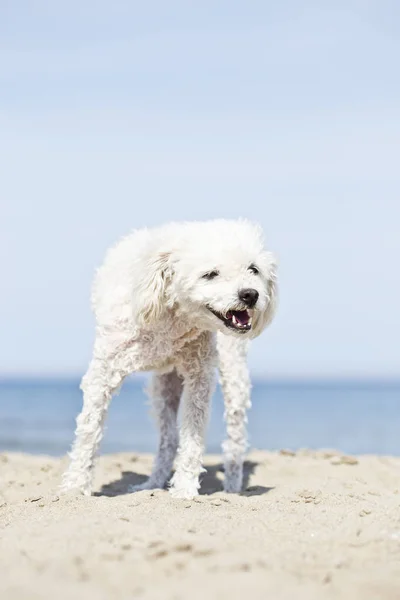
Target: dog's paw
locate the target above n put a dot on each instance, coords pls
(233, 477)
(184, 493)
(184, 487)
(75, 485)
(233, 485)
(146, 485)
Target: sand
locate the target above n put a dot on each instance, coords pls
(313, 525)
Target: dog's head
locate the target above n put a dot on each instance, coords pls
(215, 274)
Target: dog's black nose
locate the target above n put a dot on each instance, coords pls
(249, 296)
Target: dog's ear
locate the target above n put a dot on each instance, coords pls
(273, 296)
(265, 318)
(150, 295)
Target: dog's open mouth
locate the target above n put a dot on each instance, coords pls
(239, 320)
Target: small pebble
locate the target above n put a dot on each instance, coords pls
(327, 578)
(126, 547)
(160, 554)
(344, 460)
(349, 460)
(46, 468)
(184, 547)
(205, 552)
(285, 452)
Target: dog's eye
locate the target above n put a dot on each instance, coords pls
(210, 275)
(254, 269)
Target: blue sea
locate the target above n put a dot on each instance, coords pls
(38, 416)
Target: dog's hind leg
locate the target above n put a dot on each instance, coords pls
(165, 391)
(197, 366)
(104, 377)
(236, 387)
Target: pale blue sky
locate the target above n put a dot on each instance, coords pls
(115, 115)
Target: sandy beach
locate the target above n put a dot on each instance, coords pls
(310, 525)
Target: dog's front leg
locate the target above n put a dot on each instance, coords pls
(235, 382)
(197, 367)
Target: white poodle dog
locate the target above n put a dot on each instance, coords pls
(178, 300)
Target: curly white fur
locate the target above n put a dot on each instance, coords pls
(163, 301)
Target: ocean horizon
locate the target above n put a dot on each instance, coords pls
(356, 416)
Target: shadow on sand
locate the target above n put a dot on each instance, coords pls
(210, 482)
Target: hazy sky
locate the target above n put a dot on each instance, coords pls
(115, 115)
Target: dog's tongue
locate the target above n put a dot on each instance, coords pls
(242, 316)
